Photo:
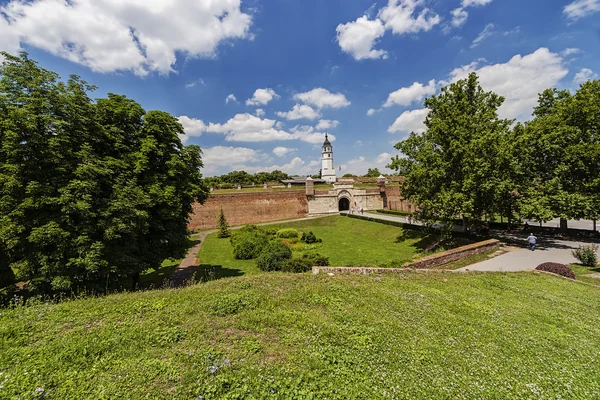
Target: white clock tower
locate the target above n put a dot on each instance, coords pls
(327, 168)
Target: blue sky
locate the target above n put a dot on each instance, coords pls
(257, 83)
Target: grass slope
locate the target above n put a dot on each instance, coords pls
(346, 241)
(459, 336)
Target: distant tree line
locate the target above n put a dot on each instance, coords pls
(471, 163)
(235, 178)
(92, 193)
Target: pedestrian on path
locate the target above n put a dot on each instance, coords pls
(532, 241)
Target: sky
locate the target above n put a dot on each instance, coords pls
(257, 84)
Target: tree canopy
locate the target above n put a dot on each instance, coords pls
(453, 168)
(373, 173)
(91, 192)
(471, 163)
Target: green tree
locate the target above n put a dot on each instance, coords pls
(92, 193)
(223, 226)
(559, 151)
(373, 173)
(455, 166)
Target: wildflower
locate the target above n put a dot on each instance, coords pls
(228, 362)
(212, 369)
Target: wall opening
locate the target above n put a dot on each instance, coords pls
(344, 204)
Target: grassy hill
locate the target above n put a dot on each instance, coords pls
(492, 336)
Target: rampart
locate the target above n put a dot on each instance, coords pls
(249, 208)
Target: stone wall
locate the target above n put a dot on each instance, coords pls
(249, 208)
(396, 202)
(459, 253)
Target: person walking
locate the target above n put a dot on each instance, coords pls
(532, 241)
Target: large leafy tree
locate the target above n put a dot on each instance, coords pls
(559, 151)
(91, 193)
(457, 167)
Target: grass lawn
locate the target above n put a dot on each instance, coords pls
(580, 272)
(411, 336)
(346, 241)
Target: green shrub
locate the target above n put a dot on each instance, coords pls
(248, 242)
(304, 263)
(287, 233)
(223, 226)
(310, 238)
(587, 255)
(273, 256)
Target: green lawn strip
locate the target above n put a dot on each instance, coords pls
(463, 336)
(346, 241)
(580, 272)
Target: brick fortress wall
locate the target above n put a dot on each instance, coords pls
(396, 202)
(249, 208)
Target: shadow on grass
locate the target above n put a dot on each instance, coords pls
(157, 278)
(208, 272)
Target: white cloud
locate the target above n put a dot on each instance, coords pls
(282, 151)
(372, 112)
(300, 111)
(250, 128)
(406, 96)
(192, 84)
(460, 15)
(472, 3)
(584, 75)
(113, 35)
(519, 80)
(581, 8)
(262, 97)
(192, 127)
(260, 112)
(295, 166)
(484, 34)
(570, 51)
(321, 98)
(309, 135)
(230, 98)
(360, 165)
(327, 124)
(401, 17)
(358, 38)
(410, 121)
(222, 156)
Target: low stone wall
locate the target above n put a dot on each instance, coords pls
(369, 271)
(459, 253)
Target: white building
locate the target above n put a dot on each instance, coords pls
(327, 168)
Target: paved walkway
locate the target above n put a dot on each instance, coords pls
(523, 259)
(516, 258)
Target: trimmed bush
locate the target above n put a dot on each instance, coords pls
(310, 238)
(273, 256)
(587, 255)
(556, 268)
(248, 242)
(304, 263)
(287, 233)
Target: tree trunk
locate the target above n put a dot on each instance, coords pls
(135, 281)
(595, 230)
(563, 225)
(465, 224)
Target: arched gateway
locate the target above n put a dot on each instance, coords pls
(344, 204)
